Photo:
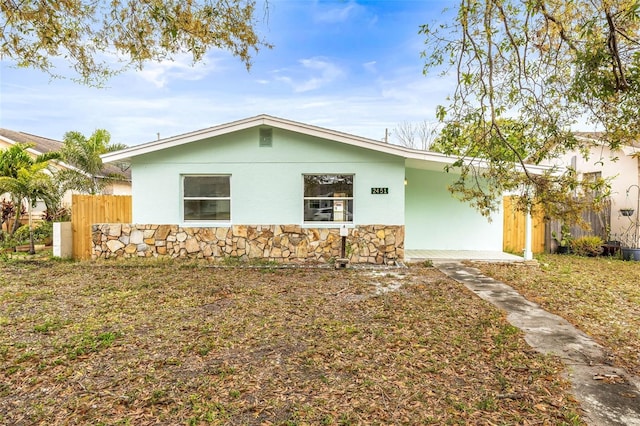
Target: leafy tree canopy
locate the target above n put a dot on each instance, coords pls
(26, 178)
(84, 154)
(88, 33)
(17, 157)
(553, 64)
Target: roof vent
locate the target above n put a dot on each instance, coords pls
(266, 138)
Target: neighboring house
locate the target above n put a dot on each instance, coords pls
(42, 145)
(267, 187)
(622, 167)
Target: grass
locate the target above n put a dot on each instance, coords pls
(599, 295)
(133, 343)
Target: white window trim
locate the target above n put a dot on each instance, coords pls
(326, 223)
(203, 221)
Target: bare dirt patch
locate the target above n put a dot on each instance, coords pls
(84, 343)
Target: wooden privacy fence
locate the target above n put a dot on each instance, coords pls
(598, 221)
(87, 210)
(514, 229)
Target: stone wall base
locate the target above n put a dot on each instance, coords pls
(375, 244)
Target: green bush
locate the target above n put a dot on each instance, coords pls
(6, 240)
(587, 246)
(21, 236)
(43, 232)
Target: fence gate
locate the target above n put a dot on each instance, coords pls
(89, 209)
(514, 228)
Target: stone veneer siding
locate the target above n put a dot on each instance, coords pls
(376, 244)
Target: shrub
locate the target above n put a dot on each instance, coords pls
(21, 236)
(7, 210)
(43, 231)
(60, 214)
(587, 246)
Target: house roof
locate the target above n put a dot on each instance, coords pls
(414, 158)
(42, 145)
(595, 139)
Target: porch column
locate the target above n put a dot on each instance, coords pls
(528, 254)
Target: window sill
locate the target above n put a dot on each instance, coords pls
(206, 224)
(327, 224)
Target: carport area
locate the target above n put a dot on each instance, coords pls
(456, 255)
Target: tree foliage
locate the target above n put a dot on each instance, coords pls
(7, 212)
(84, 154)
(553, 64)
(21, 175)
(26, 178)
(89, 35)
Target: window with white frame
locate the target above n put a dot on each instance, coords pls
(206, 197)
(328, 198)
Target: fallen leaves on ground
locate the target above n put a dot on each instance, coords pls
(600, 295)
(128, 343)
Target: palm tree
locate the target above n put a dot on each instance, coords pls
(16, 164)
(31, 183)
(84, 155)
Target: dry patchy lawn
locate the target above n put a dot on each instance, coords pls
(599, 295)
(84, 343)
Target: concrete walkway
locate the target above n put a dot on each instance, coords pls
(454, 255)
(607, 394)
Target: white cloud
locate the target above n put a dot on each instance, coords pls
(160, 74)
(370, 66)
(135, 115)
(323, 73)
(337, 14)
(347, 89)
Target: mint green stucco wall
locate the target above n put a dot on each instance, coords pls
(266, 183)
(436, 220)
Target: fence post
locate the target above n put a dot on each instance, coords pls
(528, 254)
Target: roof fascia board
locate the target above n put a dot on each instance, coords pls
(293, 126)
(264, 120)
(171, 142)
(625, 149)
(432, 157)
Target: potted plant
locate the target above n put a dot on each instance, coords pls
(631, 253)
(630, 249)
(630, 244)
(628, 240)
(563, 240)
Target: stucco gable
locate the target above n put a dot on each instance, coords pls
(267, 121)
(413, 157)
(244, 145)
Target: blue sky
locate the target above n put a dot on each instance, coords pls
(352, 66)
